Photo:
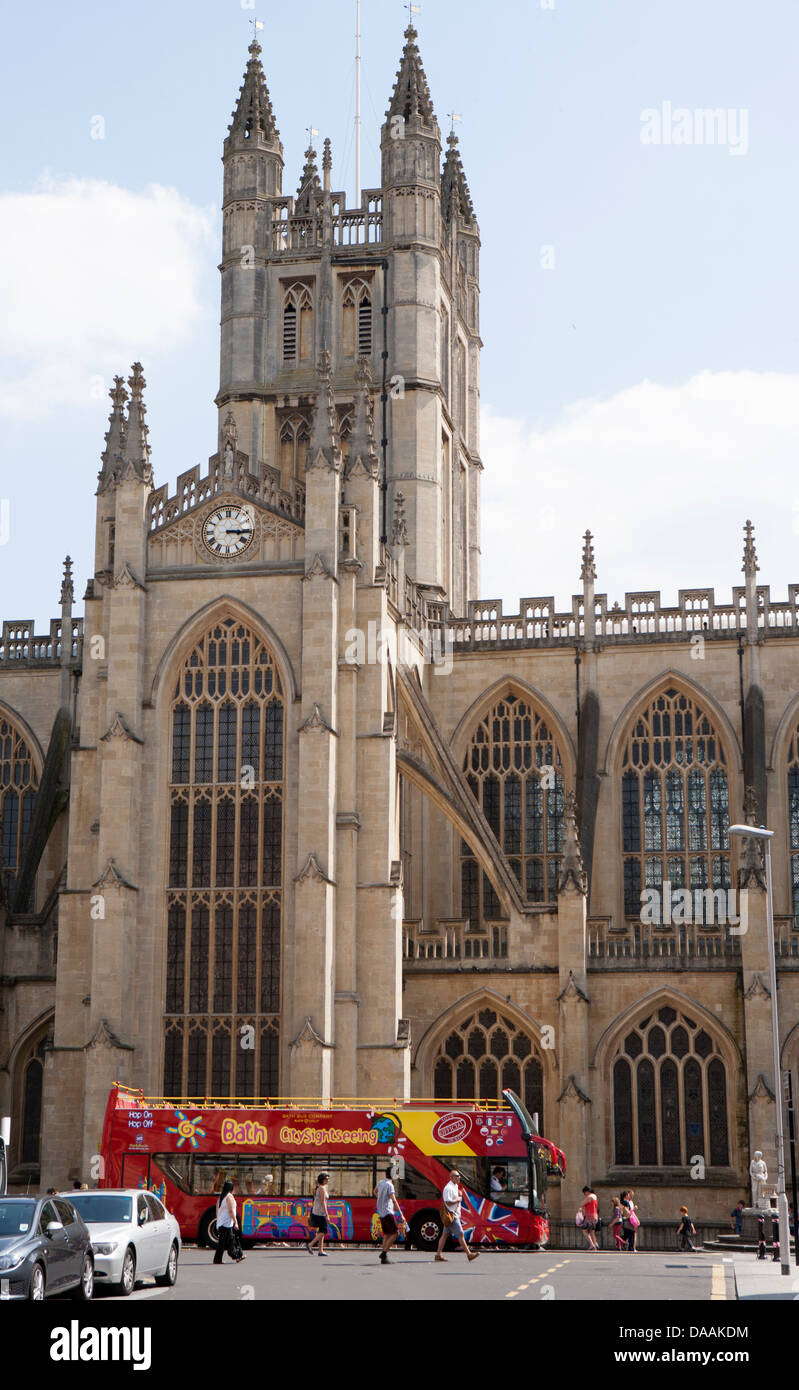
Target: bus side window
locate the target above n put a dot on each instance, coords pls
(298, 1180)
(415, 1187)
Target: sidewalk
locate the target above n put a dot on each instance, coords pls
(762, 1279)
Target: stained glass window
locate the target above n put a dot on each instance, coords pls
(514, 769)
(675, 800)
(18, 782)
(483, 1056)
(669, 1091)
(224, 902)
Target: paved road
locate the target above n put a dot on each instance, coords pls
(514, 1276)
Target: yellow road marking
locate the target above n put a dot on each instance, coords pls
(718, 1287)
(512, 1294)
(522, 1287)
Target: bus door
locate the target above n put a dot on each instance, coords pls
(135, 1169)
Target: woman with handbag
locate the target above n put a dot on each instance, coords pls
(631, 1220)
(451, 1219)
(227, 1227)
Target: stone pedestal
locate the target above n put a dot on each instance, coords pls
(750, 1227)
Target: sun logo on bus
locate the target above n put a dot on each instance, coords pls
(186, 1129)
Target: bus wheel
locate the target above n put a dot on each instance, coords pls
(426, 1230)
(207, 1234)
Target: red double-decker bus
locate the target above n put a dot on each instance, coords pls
(272, 1151)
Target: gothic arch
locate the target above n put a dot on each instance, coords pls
(645, 694)
(194, 627)
(694, 1086)
(515, 686)
(13, 716)
(438, 778)
(25, 1055)
(783, 734)
(435, 1035)
(665, 995)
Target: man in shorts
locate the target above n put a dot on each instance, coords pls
(451, 1197)
(387, 1205)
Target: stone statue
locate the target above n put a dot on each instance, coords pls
(758, 1173)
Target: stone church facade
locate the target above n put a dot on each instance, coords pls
(292, 811)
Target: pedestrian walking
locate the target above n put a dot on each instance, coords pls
(631, 1220)
(387, 1206)
(617, 1224)
(590, 1210)
(685, 1230)
(226, 1224)
(319, 1219)
(737, 1218)
(451, 1217)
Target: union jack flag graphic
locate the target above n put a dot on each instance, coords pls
(485, 1223)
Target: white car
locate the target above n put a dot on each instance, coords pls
(133, 1236)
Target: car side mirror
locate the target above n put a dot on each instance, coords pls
(53, 1227)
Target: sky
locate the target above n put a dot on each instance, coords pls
(640, 371)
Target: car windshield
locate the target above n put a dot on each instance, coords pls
(101, 1207)
(16, 1218)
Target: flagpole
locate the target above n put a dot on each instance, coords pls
(357, 103)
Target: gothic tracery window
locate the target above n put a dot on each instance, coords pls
(514, 768)
(485, 1055)
(793, 822)
(669, 1094)
(675, 800)
(298, 325)
(224, 900)
(295, 437)
(18, 782)
(356, 320)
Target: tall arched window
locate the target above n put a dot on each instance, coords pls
(295, 436)
(669, 1094)
(18, 783)
(793, 821)
(485, 1055)
(298, 325)
(226, 874)
(514, 768)
(356, 320)
(675, 800)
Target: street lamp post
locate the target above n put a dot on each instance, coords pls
(782, 1201)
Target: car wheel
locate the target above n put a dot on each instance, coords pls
(207, 1235)
(37, 1285)
(128, 1281)
(85, 1289)
(426, 1231)
(170, 1274)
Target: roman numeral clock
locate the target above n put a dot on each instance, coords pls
(228, 531)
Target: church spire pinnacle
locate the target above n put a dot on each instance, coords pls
(137, 449)
(750, 565)
(411, 96)
(115, 437)
(325, 447)
(253, 121)
(588, 570)
(456, 200)
(363, 449)
(310, 185)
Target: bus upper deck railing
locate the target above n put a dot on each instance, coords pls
(307, 1102)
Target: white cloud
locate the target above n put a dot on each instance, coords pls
(93, 276)
(663, 476)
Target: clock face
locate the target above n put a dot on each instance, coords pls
(229, 530)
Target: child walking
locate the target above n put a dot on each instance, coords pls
(685, 1230)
